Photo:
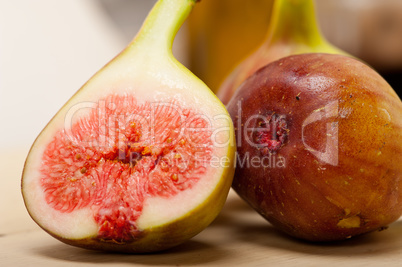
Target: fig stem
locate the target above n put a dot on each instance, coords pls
(161, 25)
(295, 21)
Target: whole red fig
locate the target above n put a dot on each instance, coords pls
(319, 142)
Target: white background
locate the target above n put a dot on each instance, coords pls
(48, 50)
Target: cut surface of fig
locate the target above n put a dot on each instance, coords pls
(141, 158)
(115, 178)
(319, 145)
(121, 154)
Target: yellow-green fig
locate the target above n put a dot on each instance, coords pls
(293, 30)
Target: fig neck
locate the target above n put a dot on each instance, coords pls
(294, 21)
(161, 25)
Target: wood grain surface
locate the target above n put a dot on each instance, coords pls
(238, 237)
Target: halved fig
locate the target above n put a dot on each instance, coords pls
(141, 158)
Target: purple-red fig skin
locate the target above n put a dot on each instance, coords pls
(303, 195)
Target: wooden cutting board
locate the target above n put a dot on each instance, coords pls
(238, 237)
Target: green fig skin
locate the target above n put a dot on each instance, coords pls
(353, 189)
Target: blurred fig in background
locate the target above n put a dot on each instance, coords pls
(222, 32)
(293, 30)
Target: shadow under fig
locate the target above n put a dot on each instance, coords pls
(237, 223)
(189, 253)
(246, 225)
(264, 234)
